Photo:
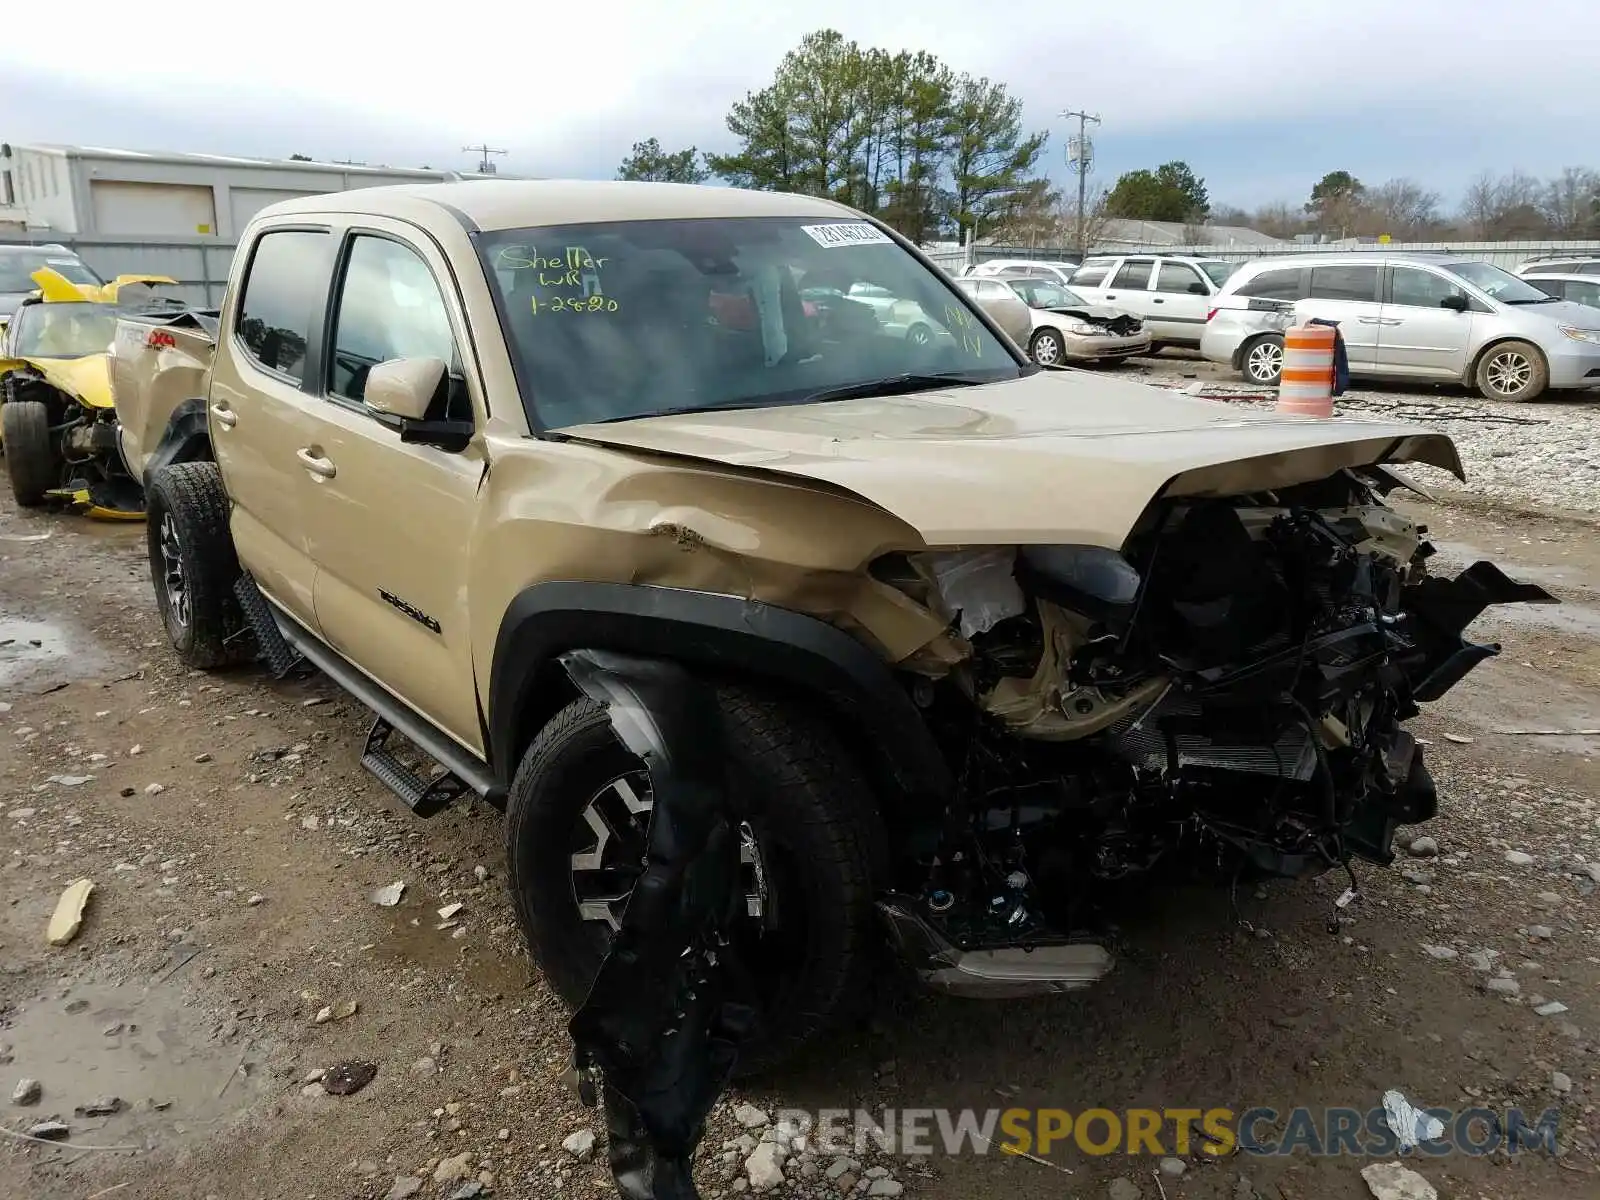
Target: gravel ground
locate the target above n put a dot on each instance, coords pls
(1546, 453)
(233, 959)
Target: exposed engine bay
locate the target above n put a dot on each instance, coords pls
(1226, 696)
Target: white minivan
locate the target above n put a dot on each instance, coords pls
(1170, 293)
(1434, 317)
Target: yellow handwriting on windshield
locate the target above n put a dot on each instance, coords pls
(964, 328)
(567, 280)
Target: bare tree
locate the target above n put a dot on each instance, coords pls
(1499, 207)
(1572, 202)
(1279, 219)
(1402, 208)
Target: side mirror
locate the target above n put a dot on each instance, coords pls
(1198, 289)
(404, 387)
(1455, 303)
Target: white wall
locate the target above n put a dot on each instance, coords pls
(42, 182)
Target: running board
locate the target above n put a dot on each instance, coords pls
(423, 797)
(279, 657)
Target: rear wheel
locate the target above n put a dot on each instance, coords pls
(1047, 349)
(1512, 371)
(576, 824)
(1262, 362)
(193, 565)
(31, 459)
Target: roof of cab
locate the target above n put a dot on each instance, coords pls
(491, 204)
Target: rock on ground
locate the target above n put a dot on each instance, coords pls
(1391, 1181)
(580, 1144)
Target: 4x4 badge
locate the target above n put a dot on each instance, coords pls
(410, 610)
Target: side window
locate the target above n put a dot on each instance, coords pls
(1355, 282)
(288, 272)
(389, 307)
(1280, 284)
(1177, 277)
(1420, 289)
(1550, 287)
(1135, 274)
(1589, 268)
(1093, 272)
(1584, 292)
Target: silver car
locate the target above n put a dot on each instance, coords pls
(1580, 289)
(18, 263)
(1434, 317)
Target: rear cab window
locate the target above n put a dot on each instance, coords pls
(283, 287)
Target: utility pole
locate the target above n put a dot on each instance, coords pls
(485, 167)
(1080, 157)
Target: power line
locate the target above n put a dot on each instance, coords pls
(1080, 157)
(485, 167)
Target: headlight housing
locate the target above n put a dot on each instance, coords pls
(1591, 336)
(984, 585)
(1081, 329)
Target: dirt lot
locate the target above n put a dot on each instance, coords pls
(234, 844)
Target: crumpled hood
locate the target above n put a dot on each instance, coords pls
(1055, 457)
(1092, 312)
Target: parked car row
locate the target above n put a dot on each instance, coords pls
(1430, 317)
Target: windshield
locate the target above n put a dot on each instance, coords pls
(17, 268)
(1040, 293)
(634, 318)
(62, 330)
(1502, 285)
(1218, 270)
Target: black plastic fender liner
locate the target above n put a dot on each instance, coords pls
(709, 632)
(1441, 610)
(662, 1022)
(185, 439)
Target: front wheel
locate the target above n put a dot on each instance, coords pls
(193, 565)
(1514, 371)
(1047, 349)
(576, 824)
(1263, 361)
(31, 459)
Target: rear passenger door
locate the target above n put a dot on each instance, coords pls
(1349, 294)
(1180, 299)
(1128, 288)
(392, 522)
(262, 410)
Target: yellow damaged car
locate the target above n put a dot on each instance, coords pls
(58, 427)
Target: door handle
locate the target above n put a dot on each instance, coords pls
(1371, 320)
(1111, 296)
(225, 416)
(321, 467)
(1157, 300)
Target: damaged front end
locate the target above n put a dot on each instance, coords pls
(1226, 695)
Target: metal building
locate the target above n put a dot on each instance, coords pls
(91, 191)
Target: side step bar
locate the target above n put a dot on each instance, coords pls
(424, 797)
(279, 657)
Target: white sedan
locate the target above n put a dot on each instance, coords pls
(1067, 328)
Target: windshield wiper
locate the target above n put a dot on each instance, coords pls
(894, 385)
(1540, 300)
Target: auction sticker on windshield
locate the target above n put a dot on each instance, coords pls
(847, 233)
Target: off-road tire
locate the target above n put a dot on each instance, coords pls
(192, 496)
(31, 462)
(1257, 362)
(804, 793)
(1491, 370)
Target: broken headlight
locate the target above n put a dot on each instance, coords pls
(986, 586)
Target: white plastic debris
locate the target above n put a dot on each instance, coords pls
(450, 910)
(71, 780)
(389, 895)
(979, 585)
(1391, 1181)
(1410, 1125)
(68, 916)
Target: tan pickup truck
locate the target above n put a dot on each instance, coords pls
(985, 637)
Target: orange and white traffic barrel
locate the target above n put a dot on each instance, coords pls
(1306, 384)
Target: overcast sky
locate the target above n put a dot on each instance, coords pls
(1260, 97)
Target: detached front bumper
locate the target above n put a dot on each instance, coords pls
(1076, 346)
